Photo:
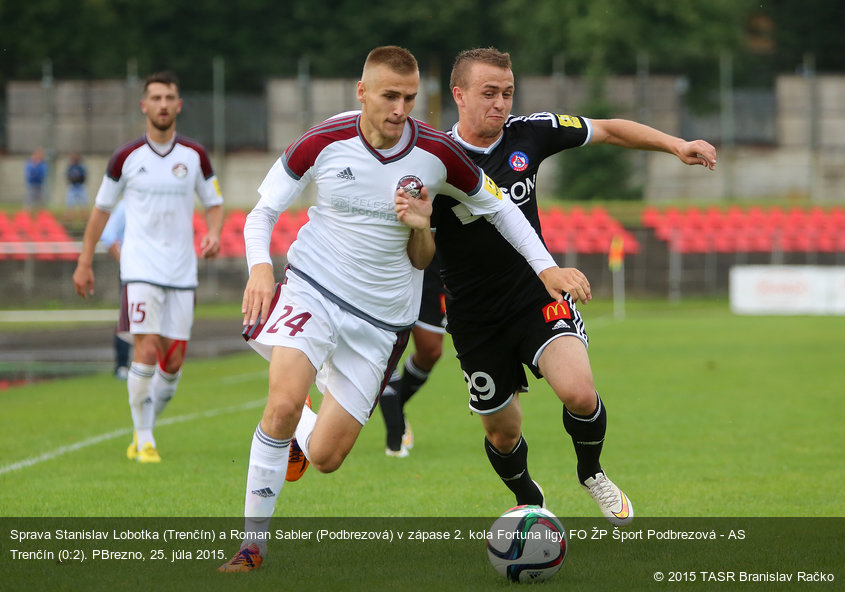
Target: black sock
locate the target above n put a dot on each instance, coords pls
(391, 410)
(121, 353)
(587, 434)
(412, 379)
(512, 468)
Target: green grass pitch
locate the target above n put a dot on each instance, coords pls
(711, 415)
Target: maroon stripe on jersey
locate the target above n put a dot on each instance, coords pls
(427, 131)
(123, 318)
(402, 338)
(461, 172)
(205, 161)
(412, 142)
(301, 155)
(114, 170)
(252, 331)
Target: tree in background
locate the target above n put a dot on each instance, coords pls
(260, 39)
(600, 37)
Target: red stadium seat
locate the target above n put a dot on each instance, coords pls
(827, 241)
(650, 217)
(232, 235)
(555, 240)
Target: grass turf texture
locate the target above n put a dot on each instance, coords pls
(710, 415)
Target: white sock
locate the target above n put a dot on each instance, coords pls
(268, 464)
(141, 401)
(304, 429)
(163, 387)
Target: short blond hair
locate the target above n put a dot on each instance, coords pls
(398, 59)
(483, 55)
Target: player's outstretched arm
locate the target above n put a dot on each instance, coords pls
(630, 134)
(258, 294)
(566, 279)
(415, 213)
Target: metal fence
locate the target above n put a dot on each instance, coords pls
(95, 116)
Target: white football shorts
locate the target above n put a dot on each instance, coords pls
(353, 357)
(149, 309)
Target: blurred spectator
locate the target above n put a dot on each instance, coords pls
(76, 199)
(35, 173)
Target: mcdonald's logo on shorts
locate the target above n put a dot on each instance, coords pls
(554, 311)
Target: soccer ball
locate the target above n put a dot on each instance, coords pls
(527, 544)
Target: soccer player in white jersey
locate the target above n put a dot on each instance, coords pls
(158, 175)
(352, 288)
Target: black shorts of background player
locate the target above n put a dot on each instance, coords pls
(428, 343)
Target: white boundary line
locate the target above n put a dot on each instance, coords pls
(58, 316)
(62, 450)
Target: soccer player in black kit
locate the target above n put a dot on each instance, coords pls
(500, 316)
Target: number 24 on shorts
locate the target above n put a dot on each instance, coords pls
(295, 323)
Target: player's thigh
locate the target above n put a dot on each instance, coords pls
(565, 364)
(542, 323)
(554, 346)
(177, 315)
(357, 371)
(428, 345)
(492, 369)
(291, 375)
(334, 435)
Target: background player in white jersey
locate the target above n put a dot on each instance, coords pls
(494, 338)
(352, 288)
(158, 175)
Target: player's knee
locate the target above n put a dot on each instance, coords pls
(145, 352)
(503, 440)
(581, 401)
(327, 462)
(426, 357)
(171, 366)
(281, 416)
(172, 355)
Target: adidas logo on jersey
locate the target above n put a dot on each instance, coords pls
(560, 325)
(346, 174)
(266, 492)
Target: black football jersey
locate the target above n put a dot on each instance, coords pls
(487, 280)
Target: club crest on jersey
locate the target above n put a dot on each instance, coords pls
(411, 185)
(180, 170)
(518, 161)
(554, 311)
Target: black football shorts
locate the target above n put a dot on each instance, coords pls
(433, 306)
(493, 357)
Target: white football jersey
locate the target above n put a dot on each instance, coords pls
(353, 246)
(158, 189)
